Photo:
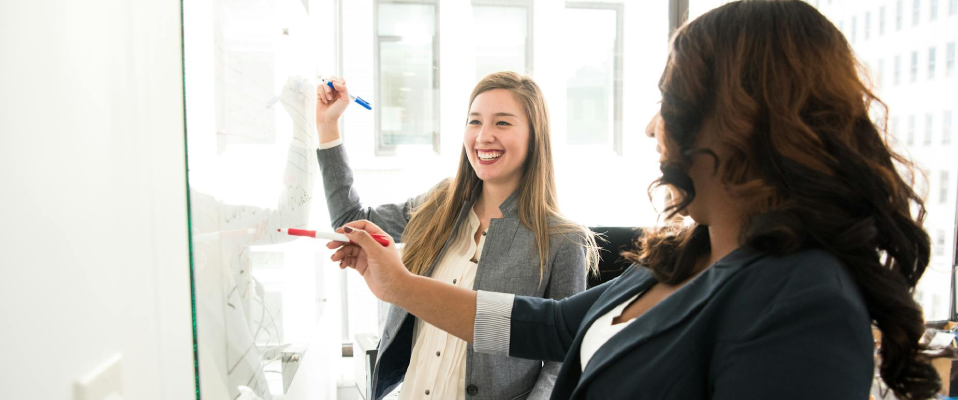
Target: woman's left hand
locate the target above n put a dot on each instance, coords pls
(380, 266)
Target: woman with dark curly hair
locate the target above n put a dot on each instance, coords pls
(805, 235)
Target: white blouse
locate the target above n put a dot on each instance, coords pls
(437, 368)
(601, 331)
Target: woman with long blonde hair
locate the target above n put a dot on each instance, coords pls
(495, 226)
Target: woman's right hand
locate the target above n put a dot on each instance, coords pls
(330, 105)
(380, 266)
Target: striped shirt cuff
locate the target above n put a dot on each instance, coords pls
(493, 322)
(329, 145)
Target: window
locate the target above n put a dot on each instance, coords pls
(946, 128)
(940, 243)
(910, 135)
(933, 10)
(897, 70)
(950, 60)
(506, 42)
(916, 12)
(931, 63)
(928, 127)
(593, 86)
(953, 7)
(881, 21)
(943, 188)
(407, 50)
(914, 66)
(894, 128)
(854, 29)
(868, 25)
(900, 10)
(881, 72)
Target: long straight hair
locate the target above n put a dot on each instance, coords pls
(777, 84)
(433, 220)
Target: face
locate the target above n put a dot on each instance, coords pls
(497, 137)
(709, 192)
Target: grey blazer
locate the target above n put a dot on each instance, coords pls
(509, 264)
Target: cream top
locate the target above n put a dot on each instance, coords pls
(601, 331)
(437, 368)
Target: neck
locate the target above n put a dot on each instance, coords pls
(491, 198)
(724, 239)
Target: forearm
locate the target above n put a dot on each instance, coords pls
(447, 307)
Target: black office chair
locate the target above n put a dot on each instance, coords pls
(614, 240)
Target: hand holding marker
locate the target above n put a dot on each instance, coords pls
(382, 239)
(359, 100)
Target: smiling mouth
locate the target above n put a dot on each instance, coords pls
(487, 156)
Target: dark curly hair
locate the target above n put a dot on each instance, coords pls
(779, 84)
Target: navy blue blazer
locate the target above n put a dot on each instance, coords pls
(752, 326)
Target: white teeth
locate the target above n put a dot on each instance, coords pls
(489, 155)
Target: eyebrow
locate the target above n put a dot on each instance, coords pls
(498, 114)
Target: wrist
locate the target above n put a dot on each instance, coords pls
(405, 282)
(328, 131)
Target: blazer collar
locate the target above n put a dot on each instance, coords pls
(509, 207)
(670, 312)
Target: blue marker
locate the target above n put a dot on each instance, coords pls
(357, 99)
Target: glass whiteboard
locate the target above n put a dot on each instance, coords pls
(258, 295)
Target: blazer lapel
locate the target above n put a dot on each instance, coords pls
(670, 312)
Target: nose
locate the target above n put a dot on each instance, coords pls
(485, 135)
(650, 128)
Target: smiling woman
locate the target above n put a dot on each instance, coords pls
(495, 226)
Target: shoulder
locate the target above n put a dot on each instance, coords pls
(811, 269)
(801, 285)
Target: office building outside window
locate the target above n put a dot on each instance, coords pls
(953, 7)
(881, 21)
(897, 70)
(506, 40)
(854, 29)
(950, 60)
(933, 10)
(916, 12)
(931, 63)
(914, 66)
(943, 188)
(928, 129)
(910, 135)
(881, 73)
(940, 243)
(899, 14)
(593, 75)
(946, 128)
(407, 47)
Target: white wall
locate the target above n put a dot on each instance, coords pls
(95, 257)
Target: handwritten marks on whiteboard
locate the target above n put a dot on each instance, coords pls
(259, 178)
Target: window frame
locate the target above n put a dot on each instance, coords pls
(618, 60)
(380, 149)
(529, 5)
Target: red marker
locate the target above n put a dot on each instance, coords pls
(382, 239)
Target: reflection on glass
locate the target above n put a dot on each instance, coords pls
(408, 82)
(502, 44)
(252, 168)
(590, 71)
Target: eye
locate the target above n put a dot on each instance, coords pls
(473, 122)
(503, 123)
